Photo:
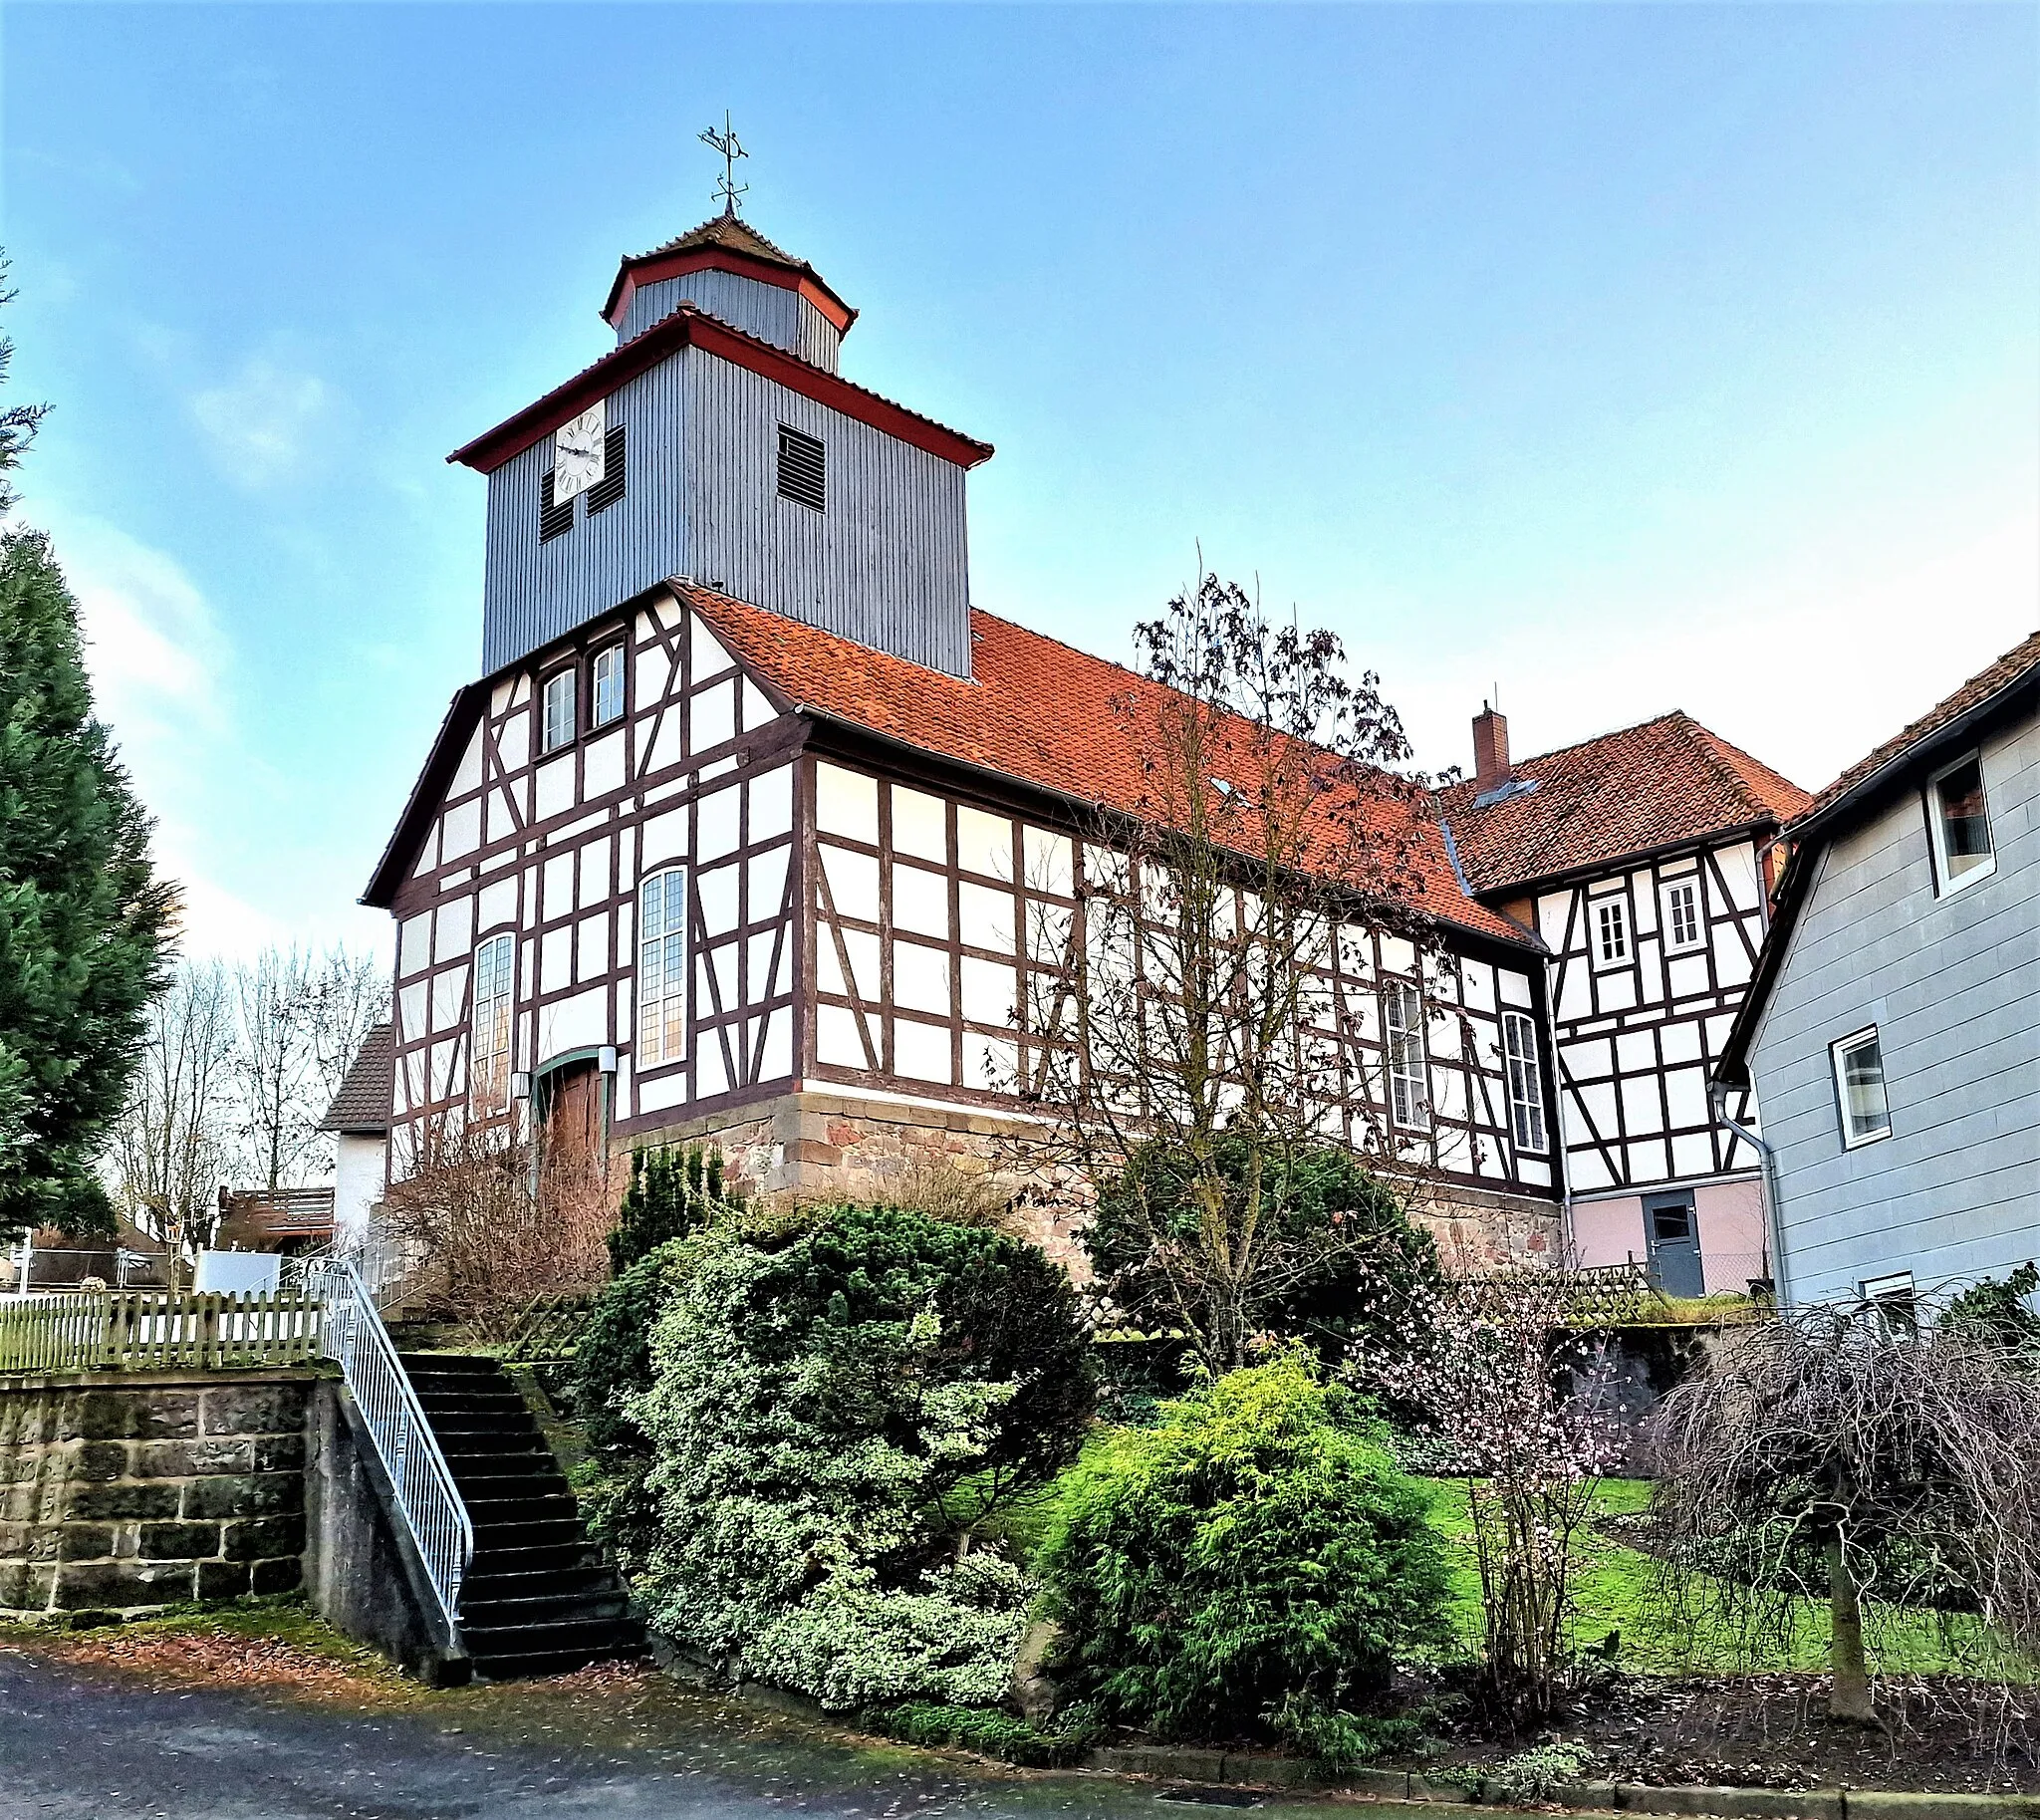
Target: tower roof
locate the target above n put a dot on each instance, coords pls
(726, 243)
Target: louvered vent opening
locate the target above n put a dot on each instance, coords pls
(610, 488)
(553, 520)
(803, 469)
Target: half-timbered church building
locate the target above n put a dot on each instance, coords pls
(741, 831)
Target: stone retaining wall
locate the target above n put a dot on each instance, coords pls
(151, 1489)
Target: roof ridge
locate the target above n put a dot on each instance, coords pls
(1635, 726)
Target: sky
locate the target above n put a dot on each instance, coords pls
(1603, 359)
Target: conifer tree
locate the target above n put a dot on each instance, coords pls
(85, 923)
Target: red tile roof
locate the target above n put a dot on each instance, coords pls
(1033, 711)
(2007, 670)
(1636, 791)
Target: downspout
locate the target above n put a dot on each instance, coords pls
(1718, 1092)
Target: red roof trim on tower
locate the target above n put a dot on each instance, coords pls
(689, 327)
(655, 268)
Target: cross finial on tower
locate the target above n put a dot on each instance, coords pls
(725, 141)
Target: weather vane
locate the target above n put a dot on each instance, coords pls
(725, 141)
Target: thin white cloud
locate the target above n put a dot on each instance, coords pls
(265, 423)
(161, 670)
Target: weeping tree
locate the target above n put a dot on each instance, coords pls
(1832, 1457)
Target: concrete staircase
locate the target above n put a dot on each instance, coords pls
(538, 1598)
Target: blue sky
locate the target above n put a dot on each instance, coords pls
(1620, 357)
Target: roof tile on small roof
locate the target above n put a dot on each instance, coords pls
(733, 231)
(1034, 711)
(1636, 791)
(362, 1101)
(2024, 656)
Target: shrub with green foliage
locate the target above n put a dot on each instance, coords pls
(840, 1396)
(672, 1194)
(1353, 1264)
(1256, 1561)
(1999, 1312)
(990, 1734)
(613, 1359)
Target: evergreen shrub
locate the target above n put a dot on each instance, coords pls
(1254, 1563)
(840, 1397)
(1354, 1266)
(671, 1194)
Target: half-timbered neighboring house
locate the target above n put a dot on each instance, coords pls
(1644, 861)
(744, 830)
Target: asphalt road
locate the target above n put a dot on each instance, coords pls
(77, 1745)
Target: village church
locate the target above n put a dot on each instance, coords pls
(740, 834)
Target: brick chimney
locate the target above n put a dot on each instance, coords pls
(1491, 750)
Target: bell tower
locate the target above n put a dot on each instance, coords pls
(730, 270)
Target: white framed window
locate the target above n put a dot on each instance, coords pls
(606, 686)
(1959, 823)
(1526, 1080)
(1892, 1298)
(488, 1068)
(1859, 1088)
(558, 728)
(1683, 926)
(1409, 1084)
(662, 967)
(1609, 930)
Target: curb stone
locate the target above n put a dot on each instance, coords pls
(1242, 1769)
(1265, 1769)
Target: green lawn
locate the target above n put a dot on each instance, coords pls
(1619, 1592)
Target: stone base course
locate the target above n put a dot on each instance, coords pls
(124, 1493)
(815, 1144)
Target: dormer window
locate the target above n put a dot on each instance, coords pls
(559, 726)
(1958, 820)
(803, 469)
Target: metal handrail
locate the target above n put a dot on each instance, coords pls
(426, 1497)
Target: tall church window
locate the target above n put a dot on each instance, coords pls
(488, 1071)
(662, 967)
(606, 686)
(1526, 1081)
(558, 730)
(1409, 1089)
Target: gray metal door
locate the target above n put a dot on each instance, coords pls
(1675, 1238)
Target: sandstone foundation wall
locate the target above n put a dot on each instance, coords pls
(123, 1492)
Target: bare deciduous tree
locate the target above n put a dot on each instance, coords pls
(172, 1143)
(1833, 1457)
(301, 1022)
(240, 1064)
(1191, 1003)
(493, 1223)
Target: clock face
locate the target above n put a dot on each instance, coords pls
(577, 455)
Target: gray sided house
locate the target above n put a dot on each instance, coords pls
(1892, 1030)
